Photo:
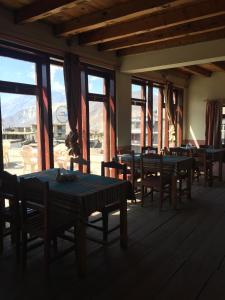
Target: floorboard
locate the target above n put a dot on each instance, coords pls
(171, 255)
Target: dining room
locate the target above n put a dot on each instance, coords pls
(112, 149)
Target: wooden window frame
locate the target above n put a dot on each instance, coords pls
(42, 91)
(109, 113)
(143, 103)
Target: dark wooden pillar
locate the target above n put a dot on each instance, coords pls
(44, 114)
(160, 131)
(85, 119)
(180, 94)
(149, 113)
(112, 109)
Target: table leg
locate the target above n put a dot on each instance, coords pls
(123, 223)
(174, 191)
(189, 182)
(221, 166)
(81, 248)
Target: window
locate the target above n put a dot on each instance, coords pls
(99, 110)
(59, 117)
(16, 70)
(20, 118)
(223, 126)
(138, 115)
(96, 85)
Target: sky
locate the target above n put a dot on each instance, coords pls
(15, 70)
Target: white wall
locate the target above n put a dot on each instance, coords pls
(201, 89)
(123, 98)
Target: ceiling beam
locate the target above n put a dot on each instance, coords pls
(179, 41)
(197, 70)
(220, 65)
(193, 28)
(42, 9)
(117, 13)
(177, 16)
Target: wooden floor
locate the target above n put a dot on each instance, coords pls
(171, 255)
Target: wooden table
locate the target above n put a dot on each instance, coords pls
(177, 163)
(89, 193)
(216, 155)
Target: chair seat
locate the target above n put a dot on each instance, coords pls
(153, 181)
(58, 223)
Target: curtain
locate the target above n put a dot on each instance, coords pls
(73, 97)
(213, 119)
(170, 112)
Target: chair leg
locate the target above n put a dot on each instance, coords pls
(24, 250)
(18, 245)
(46, 257)
(1, 237)
(180, 189)
(55, 244)
(142, 195)
(105, 224)
(160, 199)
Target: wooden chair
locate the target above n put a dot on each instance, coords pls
(50, 221)
(182, 175)
(118, 169)
(30, 158)
(81, 164)
(149, 149)
(133, 173)
(202, 165)
(160, 183)
(10, 214)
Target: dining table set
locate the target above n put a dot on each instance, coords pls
(78, 196)
(74, 195)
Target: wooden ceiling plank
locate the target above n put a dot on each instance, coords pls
(202, 37)
(118, 13)
(193, 28)
(177, 16)
(220, 65)
(42, 9)
(197, 70)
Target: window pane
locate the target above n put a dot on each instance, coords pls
(136, 128)
(96, 85)
(155, 116)
(136, 91)
(19, 133)
(96, 123)
(59, 117)
(23, 71)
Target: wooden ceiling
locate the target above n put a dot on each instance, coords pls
(127, 26)
(205, 70)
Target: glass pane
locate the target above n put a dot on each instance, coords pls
(19, 133)
(223, 130)
(59, 117)
(155, 116)
(136, 128)
(96, 85)
(136, 91)
(96, 123)
(23, 71)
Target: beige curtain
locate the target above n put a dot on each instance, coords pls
(170, 112)
(213, 120)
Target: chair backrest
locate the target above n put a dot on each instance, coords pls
(34, 195)
(153, 163)
(81, 163)
(9, 190)
(8, 185)
(114, 165)
(200, 155)
(176, 151)
(149, 149)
